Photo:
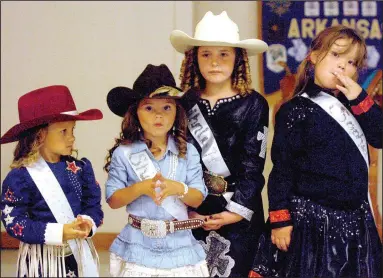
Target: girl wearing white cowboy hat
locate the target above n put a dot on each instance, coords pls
(155, 175)
(228, 124)
(50, 200)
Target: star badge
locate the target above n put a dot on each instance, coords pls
(18, 229)
(8, 219)
(7, 210)
(9, 196)
(72, 167)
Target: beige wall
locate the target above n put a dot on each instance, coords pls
(90, 47)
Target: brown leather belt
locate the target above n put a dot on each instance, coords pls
(160, 228)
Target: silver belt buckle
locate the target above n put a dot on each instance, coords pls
(153, 228)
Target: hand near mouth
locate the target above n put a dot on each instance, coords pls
(350, 88)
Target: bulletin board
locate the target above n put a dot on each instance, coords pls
(288, 27)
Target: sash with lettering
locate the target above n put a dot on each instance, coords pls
(211, 155)
(145, 169)
(346, 120)
(57, 202)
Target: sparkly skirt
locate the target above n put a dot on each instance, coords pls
(325, 242)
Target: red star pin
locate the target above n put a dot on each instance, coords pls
(9, 196)
(72, 167)
(18, 229)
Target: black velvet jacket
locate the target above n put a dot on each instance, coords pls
(239, 125)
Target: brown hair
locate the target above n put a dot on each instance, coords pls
(130, 132)
(322, 44)
(191, 77)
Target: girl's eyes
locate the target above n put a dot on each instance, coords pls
(334, 54)
(223, 54)
(150, 108)
(352, 63)
(63, 131)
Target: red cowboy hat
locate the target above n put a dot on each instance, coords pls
(46, 105)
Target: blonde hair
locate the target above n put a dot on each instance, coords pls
(322, 44)
(191, 77)
(27, 148)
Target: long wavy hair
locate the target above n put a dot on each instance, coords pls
(191, 77)
(322, 44)
(130, 132)
(27, 148)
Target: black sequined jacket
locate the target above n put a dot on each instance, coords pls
(314, 157)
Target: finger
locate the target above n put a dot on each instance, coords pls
(342, 89)
(341, 78)
(157, 176)
(214, 222)
(288, 239)
(277, 243)
(283, 245)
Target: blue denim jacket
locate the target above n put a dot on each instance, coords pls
(175, 250)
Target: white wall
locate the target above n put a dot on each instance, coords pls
(91, 47)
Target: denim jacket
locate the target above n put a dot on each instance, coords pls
(175, 250)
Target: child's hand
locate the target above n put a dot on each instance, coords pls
(281, 237)
(85, 224)
(216, 221)
(168, 187)
(350, 88)
(147, 187)
(72, 230)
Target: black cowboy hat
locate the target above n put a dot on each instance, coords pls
(153, 82)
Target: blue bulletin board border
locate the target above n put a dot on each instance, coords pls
(288, 27)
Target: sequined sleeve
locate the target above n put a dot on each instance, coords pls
(369, 116)
(287, 143)
(91, 194)
(16, 199)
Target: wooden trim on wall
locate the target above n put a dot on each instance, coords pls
(102, 241)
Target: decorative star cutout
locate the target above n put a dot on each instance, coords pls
(71, 274)
(9, 195)
(7, 210)
(18, 229)
(8, 219)
(72, 167)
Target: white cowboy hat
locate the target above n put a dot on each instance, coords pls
(215, 30)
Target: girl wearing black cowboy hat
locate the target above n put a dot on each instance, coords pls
(156, 175)
(50, 201)
(228, 124)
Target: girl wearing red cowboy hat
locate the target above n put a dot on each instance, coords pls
(156, 175)
(228, 124)
(51, 201)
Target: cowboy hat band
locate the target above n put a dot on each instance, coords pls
(216, 30)
(153, 82)
(46, 105)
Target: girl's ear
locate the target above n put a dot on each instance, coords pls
(313, 57)
(42, 135)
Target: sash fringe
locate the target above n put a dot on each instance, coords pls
(49, 259)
